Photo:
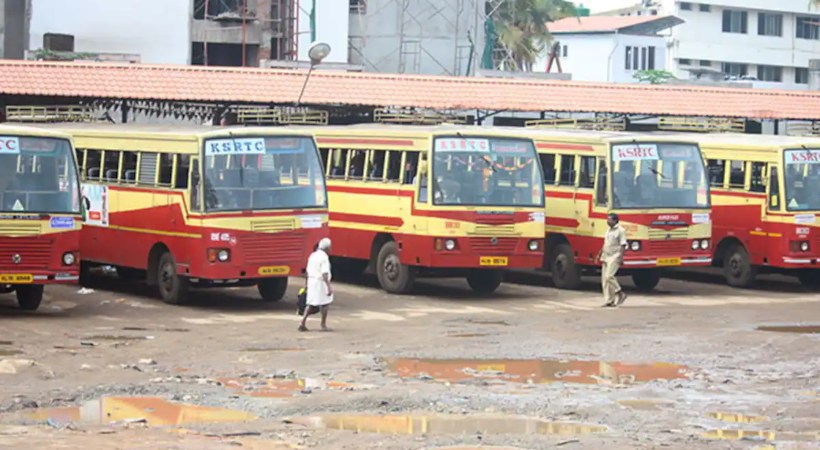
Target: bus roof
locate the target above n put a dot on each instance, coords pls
(749, 141)
(592, 136)
(7, 128)
(417, 131)
(138, 131)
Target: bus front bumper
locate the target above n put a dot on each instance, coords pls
(23, 277)
(650, 262)
(532, 260)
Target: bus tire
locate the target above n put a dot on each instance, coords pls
(29, 297)
(173, 289)
(737, 267)
(484, 282)
(810, 279)
(646, 279)
(272, 289)
(394, 277)
(565, 272)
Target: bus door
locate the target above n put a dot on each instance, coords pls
(600, 205)
(773, 205)
(422, 194)
(759, 237)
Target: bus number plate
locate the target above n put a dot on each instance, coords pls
(274, 270)
(16, 278)
(493, 261)
(669, 261)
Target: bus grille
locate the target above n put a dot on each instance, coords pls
(273, 225)
(265, 249)
(672, 248)
(655, 234)
(484, 245)
(20, 229)
(35, 253)
(500, 230)
(495, 219)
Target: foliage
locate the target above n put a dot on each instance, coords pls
(654, 76)
(522, 28)
(50, 55)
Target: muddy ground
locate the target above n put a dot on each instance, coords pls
(531, 367)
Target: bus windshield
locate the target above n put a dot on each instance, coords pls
(657, 176)
(38, 175)
(486, 172)
(802, 169)
(264, 172)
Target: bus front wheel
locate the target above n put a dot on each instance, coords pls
(565, 272)
(485, 282)
(394, 277)
(737, 266)
(29, 297)
(173, 289)
(647, 279)
(272, 289)
(810, 279)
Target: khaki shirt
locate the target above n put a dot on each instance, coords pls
(614, 241)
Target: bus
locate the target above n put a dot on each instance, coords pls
(766, 202)
(657, 185)
(40, 213)
(200, 206)
(413, 201)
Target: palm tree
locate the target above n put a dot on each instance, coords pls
(521, 30)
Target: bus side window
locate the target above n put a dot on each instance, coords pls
(758, 184)
(148, 169)
(410, 167)
(93, 164)
(737, 175)
(324, 153)
(393, 166)
(129, 168)
(357, 164)
(111, 166)
(338, 163)
(601, 192)
(774, 188)
(375, 165)
(166, 169)
(587, 172)
(183, 168)
(548, 165)
(81, 162)
(422, 175)
(567, 170)
(195, 186)
(717, 172)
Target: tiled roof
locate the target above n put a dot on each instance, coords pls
(606, 24)
(241, 85)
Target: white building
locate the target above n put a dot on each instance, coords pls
(610, 49)
(765, 41)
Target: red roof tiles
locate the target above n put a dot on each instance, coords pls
(243, 85)
(599, 24)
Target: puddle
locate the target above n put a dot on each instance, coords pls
(646, 404)
(467, 335)
(800, 329)
(448, 425)
(737, 435)
(737, 418)
(281, 388)
(272, 349)
(537, 371)
(151, 410)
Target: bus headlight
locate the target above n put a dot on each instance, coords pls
(534, 245)
(223, 255)
(635, 246)
(68, 259)
(218, 255)
(704, 244)
(695, 245)
(450, 245)
(804, 246)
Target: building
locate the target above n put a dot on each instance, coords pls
(13, 28)
(610, 49)
(765, 42)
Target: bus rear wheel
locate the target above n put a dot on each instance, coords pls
(484, 282)
(173, 289)
(647, 279)
(394, 277)
(29, 297)
(810, 279)
(737, 267)
(272, 289)
(565, 272)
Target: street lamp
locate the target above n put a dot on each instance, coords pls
(318, 51)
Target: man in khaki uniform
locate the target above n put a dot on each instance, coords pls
(611, 257)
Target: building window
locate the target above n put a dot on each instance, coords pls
(685, 62)
(358, 6)
(640, 58)
(734, 69)
(770, 73)
(801, 75)
(706, 63)
(735, 21)
(651, 64)
(807, 28)
(564, 51)
(628, 58)
(685, 6)
(705, 8)
(770, 24)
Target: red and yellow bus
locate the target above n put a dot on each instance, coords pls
(445, 200)
(201, 207)
(40, 215)
(766, 202)
(657, 185)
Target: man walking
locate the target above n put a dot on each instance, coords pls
(319, 291)
(611, 257)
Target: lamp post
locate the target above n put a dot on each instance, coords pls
(318, 51)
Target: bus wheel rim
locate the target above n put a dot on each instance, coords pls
(735, 265)
(392, 267)
(560, 266)
(166, 278)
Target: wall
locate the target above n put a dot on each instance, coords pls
(13, 28)
(158, 30)
(331, 27)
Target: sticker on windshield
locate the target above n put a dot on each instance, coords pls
(462, 145)
(18, 206)
(247, 146)
(804, 219)
(635, 152)
(811, 156)
(9, 145)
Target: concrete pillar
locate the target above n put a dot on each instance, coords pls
(814, 74)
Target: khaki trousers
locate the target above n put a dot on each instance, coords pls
(609, 283)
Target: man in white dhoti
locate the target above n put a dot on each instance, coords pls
(319, 291)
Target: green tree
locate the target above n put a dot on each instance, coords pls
(654, 76)
(521, 27)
